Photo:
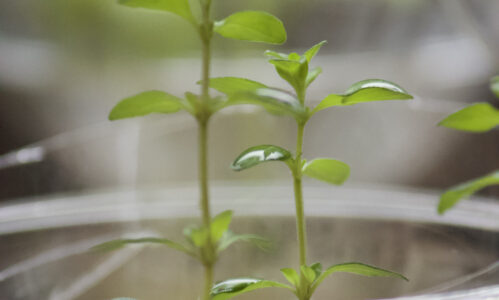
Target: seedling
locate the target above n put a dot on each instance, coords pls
(204, 242)
(478, 117)
(294, 68)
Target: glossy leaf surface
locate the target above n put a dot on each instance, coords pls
(231, 86)
(255, 26)
(365, 91)
(291, 275)
(359, 269)
(273, 100)
(479, 117)
(329, 170)
(494, 85)
(178, 7)
(120, 243)
(260, 154)
(146, 103)
(464, 190)
(220, 224)
(230, 288)
(230, 238)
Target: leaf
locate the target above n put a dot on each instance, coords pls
(197, 235)
(230, 288)
(295, 72)
(328, 170)
(146, 103)
(317, 267)
(255, 26)
(359, 269)
(234, 85)
(220, 224)
(178, 7)
(274, 101)
(230, 238)
(274, 54)
(308, 273)
(291, 276)
(259, 154)
(312, 75)
(494, 85)
(120, 243)
(310, 53)
(365, 91)
(456, 193)
(479, 117)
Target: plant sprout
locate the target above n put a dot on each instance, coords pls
(294, 68)
(479, 117)
(204, 242)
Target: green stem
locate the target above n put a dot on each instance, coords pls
(300, 215)
(209, 255)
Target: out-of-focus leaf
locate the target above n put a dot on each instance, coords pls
(312, 75)
(120, 243)
(479, 117)
(359, 269)
(255, 26)
(230, 238)
(234, 85)
(291, 275)
(198, 236)
(178, 7)
(146, 103)
(328, 170)
(494, 85)
(310, 53)
(230, 288)
(317, 267)
(220, 224)
(365, 91)
(454, 194)
(273, 100)
(259, 154)
(308, 273)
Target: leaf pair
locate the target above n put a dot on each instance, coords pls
(312, 274)
(325, 169)
(255, 26)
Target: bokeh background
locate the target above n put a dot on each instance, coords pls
(64, 64)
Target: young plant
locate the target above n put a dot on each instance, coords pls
(478, 117)
(204, 242)
(294, 68)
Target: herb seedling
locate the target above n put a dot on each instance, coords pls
(294, 68)
(478, 117)
(204, 242)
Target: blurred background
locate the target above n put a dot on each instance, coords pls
(64, 64)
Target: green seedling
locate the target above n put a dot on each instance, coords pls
(478, 118)
(205, 241)
(294, 68)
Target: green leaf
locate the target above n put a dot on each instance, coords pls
(230, 238)
(198, 236)
(494, 85)
(365, 91)
(120, 243)
(259, 154)
(359, 269)
(274, 54)
(295, 72)
(255, 26)
(146, 103)
(220, 224)
(328, 170)
(456, 193)
(273, 100)
(479, 117)
(178, 7)
(308, 273)
(310, 53)
(317, 267)
(230, 288)
(312, 75)
(234, 85)
(291, 276)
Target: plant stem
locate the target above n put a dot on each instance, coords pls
(300, 215)
(209, 257)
